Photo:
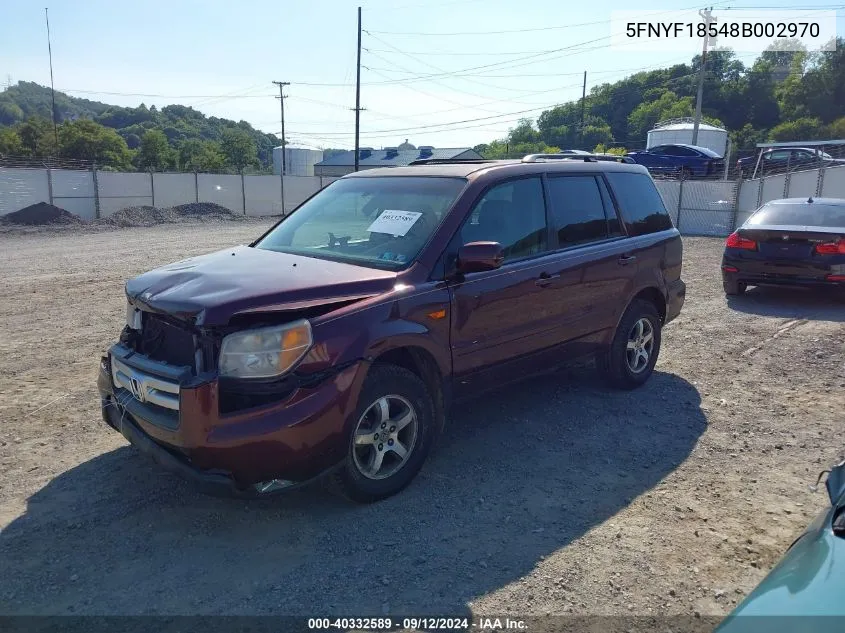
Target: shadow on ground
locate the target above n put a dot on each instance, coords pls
(818, 304)
(519, 476)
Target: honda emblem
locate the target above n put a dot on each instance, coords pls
(137, 389)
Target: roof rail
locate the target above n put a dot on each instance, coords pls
(451, 161)
(536, 158)
(587, 158)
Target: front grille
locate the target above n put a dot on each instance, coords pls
(165, 341)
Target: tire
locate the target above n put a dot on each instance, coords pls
(616, 365)
(733, 287)
(358, 479)
(686, 173)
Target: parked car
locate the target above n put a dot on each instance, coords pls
(805, 588)
(681, 160)
(336, 342)
(781, 159)
(794, 241)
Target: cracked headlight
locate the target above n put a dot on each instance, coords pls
(264, 352)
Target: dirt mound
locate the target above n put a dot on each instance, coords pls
(144, 215)
(202, 208)
(40, 214)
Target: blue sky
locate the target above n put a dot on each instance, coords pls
(221, 57)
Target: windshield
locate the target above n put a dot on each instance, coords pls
(381, 222)
(801, 214)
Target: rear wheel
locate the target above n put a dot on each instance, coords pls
(734, 287)
(392, 436)
(633, 352)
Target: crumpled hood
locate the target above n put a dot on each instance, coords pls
(210, 289)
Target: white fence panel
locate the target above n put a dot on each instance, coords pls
(224, 190)
(773, 188)
(171, 190)
(73, 190)
(669, 191)
(118, 191)
(802, 184)
(749, 192)
(298, 189)
(834, 183)
(73, 183)
(20, 188)
(263, 195)
(706, 208)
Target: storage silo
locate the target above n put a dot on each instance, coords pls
(299, 160)
(680, 131)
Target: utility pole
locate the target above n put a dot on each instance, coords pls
(281, 98)
(583, 105)
(358, 96)
(52, 90)
(708, 20)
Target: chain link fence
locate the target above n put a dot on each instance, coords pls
(92, 193)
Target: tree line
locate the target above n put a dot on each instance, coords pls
(174, 138)
(781, 96)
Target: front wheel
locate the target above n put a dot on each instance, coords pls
(636, 344)
(392, 435)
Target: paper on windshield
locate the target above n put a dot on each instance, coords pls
(393, 222)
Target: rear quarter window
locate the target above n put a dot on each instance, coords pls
(640, 203)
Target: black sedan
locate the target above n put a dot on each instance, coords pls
(794, 242)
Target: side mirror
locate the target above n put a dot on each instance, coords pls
(477, 257)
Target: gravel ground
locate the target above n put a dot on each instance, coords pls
(560, 496)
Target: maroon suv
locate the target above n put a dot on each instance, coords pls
(337, 341)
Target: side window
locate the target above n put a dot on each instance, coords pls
(640, 203)
(513, 214)
(578, 210)
(659, 150)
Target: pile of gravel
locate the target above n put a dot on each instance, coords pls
(146, 215)
(40, 214)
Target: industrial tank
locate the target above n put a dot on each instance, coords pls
(299, 160)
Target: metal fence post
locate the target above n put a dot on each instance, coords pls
(152, 188)
(820, 181)
(760, 191)
(50, 184)
(737, 189)
(96, 192)
(243, 191)
(283, 195)
(680, 201)
(196, 188)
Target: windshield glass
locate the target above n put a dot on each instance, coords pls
(803, 214)
(382, 222)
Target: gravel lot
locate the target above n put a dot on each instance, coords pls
(560, 497)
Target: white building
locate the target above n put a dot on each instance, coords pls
(299, 160)
(680, 131)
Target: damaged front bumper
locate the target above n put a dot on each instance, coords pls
(253, 452)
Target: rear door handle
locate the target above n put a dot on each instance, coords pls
(624, 260)
(546, 279)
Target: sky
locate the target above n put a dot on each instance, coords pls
(447, 73)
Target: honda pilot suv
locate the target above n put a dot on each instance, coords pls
(335, 343)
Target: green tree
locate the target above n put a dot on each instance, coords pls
(155, 153)
(10, 113)
(87, 140)
(836, 130)
(10, 142)
(197, 155)
(806, 129)
(646, 115)
(37, 137)
(239, 149)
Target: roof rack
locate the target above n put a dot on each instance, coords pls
(451, 161)
(587, 158)
(536, 158)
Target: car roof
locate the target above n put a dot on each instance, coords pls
(828, 202)
(698, 148)
(464, 169)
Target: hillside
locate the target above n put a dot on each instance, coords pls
(180, 124)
